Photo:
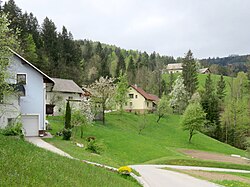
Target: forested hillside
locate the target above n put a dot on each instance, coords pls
(230, 65)
(54, 51)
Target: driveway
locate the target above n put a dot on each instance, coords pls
(40, 143)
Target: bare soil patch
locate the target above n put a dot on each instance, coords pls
(215, 176)
(214, 156)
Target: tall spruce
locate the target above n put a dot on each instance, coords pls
(210, 104)
(221, 85)
(189, 73)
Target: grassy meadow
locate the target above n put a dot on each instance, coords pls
(123, 145)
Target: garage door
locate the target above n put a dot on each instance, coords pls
(30, 125)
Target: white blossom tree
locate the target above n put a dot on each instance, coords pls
(179, 96)
(102, 91)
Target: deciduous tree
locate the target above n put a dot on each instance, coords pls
(163, 108)
(178, 96)
(102, 91)
(193, 119)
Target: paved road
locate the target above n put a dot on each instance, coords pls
(156, 177)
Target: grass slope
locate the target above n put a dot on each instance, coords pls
(158, 143)
(23, 164)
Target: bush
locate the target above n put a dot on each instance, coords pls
(125, 170)
(94, 146)
(13, 129)
(66, 134)
(89, 138)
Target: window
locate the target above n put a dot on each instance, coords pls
(130, 104)
(147, 104)
(131, 96)
(136, 96)
(70, 98)
(11, 121)
(1, 97)
(21, 79)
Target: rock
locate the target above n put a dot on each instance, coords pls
(79, 145)
(237, 156)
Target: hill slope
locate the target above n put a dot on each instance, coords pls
(23, 164)
(124, 145)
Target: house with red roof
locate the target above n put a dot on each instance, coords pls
(140, 101)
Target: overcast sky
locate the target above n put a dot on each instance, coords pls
(170, 27)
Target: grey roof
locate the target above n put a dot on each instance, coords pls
(174, 66)
(203, 70)
(65, 85)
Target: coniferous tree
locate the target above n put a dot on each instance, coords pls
(131, 70)
(189, 73)
(121, 67)
(210, 104)
(50, 46)
(68, 116)
(221, 85)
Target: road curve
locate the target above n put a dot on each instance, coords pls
(156, 177)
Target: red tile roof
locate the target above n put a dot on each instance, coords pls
(146, 95)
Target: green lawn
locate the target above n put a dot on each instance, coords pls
(158, 143)
(23, 164)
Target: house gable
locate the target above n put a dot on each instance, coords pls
(31, 105)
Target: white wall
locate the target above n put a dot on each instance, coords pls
(60, 106)
(34, 100)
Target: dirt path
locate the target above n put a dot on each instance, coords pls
(214, 156)
(215, 176)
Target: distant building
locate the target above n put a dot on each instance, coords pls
(174, 68)
(140, 101)
(204, 71)
(177, 68)
(64, 90)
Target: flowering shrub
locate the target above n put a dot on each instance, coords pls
(125, 170)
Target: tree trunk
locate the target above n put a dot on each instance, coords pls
(81, 131)
(103, 113)
(190, 135)
(159, 117)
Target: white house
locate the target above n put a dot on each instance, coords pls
(139, 100)
(174, 68)
(177, 68)
(63, 91)
(30, 106)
